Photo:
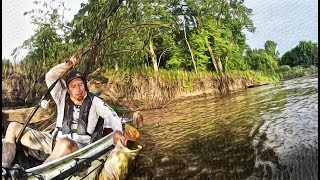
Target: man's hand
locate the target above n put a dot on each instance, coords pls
(74, 60)
(119, 136)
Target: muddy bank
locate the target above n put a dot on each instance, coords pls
(144, 93)
(137, 93)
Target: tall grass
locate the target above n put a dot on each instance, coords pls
(286, 72)
(183, 78)
(263, 77)
(168, 80)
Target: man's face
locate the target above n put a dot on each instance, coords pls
(76, 89)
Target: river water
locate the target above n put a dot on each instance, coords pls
(267, 132)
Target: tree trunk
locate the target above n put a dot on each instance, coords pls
(153, 56)
(189, 47)
(225, 62)
(214, 61)
(116, 67)
(219, 64)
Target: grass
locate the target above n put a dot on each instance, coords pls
(170, 77)
(187, 79)
(170, 80)
(286, 72)
(263, 77)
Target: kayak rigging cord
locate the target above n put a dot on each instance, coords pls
(102, 162)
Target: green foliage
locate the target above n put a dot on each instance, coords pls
(98, 19)
(214, 30)
(200, 50)
(262, 77)
(313, 69)
(283, 68)
(271, 49)
(296, 71)
(48, 45)
(235, 62)
(176, 60)
(285, 72)
(259, 59)
(266, 76)
(305, 54)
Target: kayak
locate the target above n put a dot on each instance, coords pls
(86, 163)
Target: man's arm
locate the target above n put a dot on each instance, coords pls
(111, 117)
(51, 76)
(108, 114)
(54, 73)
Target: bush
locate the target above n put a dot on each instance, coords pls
(283, 68)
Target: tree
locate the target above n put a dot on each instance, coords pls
(259, 59)
(305, 54)
(91, 24)
(271, 49)
(219, 24)
(48, 45)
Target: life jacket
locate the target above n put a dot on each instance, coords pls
(82, 121)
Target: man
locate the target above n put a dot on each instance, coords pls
(78, 111)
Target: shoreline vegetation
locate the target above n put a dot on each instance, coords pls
(148, 90)
(146, 55)
(125, 98)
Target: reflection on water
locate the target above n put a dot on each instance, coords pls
(269, 132)
(286, 142)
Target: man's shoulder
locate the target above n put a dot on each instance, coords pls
(98, 101)
(94, 98)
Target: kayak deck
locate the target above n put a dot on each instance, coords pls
(83, 160)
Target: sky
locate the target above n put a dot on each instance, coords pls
(16, 28)
(284, 21)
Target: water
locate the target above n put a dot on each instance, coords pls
(268, 132)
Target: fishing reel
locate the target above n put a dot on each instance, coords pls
(44, 103)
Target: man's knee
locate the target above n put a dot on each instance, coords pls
(14, 128)
(14, 125)
(66, 145)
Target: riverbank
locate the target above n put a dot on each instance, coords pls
(135, 92)
(128, 93)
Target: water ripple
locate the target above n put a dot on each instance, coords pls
(268, 132)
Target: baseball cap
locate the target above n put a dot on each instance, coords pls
(73, 75)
